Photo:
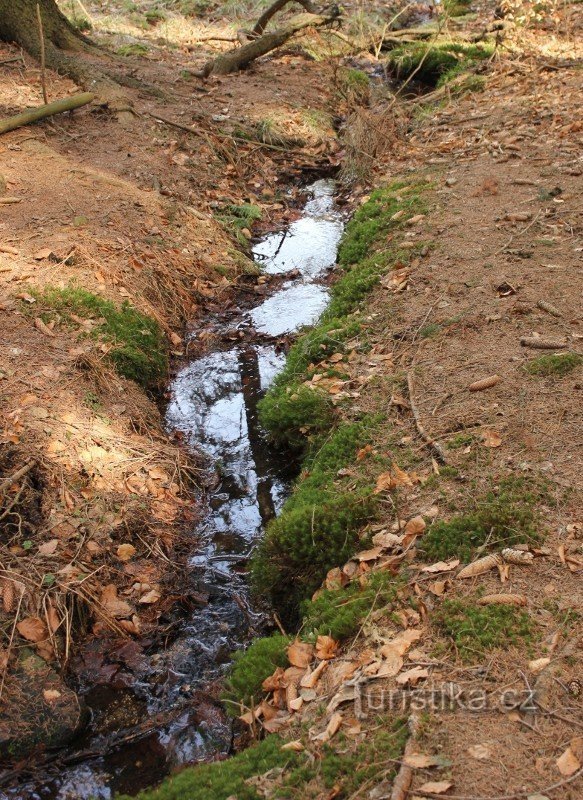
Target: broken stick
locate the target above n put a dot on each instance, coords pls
(34, 114)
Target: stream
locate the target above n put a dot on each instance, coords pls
(214, 407)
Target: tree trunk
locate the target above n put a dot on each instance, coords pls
(18, 24)
(64, 47)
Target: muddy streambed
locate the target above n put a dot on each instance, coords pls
(154, 710)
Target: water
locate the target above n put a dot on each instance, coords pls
(214, 405)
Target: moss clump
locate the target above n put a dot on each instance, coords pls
(500, 518)
(435, 64)
(474, 629)
(556, 365)
(139, 351)
(129, 50)
(339, 613)
(225, 779)
(291, 412)
(354, 86)
(319, 523)
(251, 667)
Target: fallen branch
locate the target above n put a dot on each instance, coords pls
(34, 114)
(238, 59)
(433, 445)
(270, 12)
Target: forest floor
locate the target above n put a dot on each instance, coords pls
(132, 213)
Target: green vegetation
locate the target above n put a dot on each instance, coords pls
(128, 50)
(502, 517)
(474, 629)
(225, 779)
(344, 769)
(319, 523)
(252, 666)
(237, 218)
(555, 365)
(456, 8)
(435, 64)
(339, 613)
(354, 86)
(139, 350)
(291, 412)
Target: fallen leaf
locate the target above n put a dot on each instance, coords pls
(125, 552)
(491, 438)
(33, 629)
(422, 761)
(48, 548)
(369, 555)
(568, 763)
(150, 597)
(384, 482)
(51, 694)
(436, 787)
(326, 647)
(310, 679)
(481, 752)
(442, 566)
(300, 654)
(416, 525)
(412, 676)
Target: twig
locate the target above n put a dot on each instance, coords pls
(20, 473)
(518, 233)
(41, 36)
(433, 445)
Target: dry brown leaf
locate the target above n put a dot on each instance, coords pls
(436, 787)
(412, 676)
(275, 681)
(416, 525)
(326, 647)
(569, 762)
(33, 629)
(369, 555)
(311, 678)
(126, 551)
(390, 666)
(438, 587)
(491, 438)
(150, 597)
(300, 654)
(384, 482)
(480, 752)
(50, 695)
(48, 548)
(331, 729)
(421, 760)
(442, 566)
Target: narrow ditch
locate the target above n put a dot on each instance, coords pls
(164, 714)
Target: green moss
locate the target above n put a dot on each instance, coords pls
(430, 63)
(319, 523)
(251, 667)
(502, 517)
(555, 365)
(354, 86)
(293, 413)
(339, 613)
(473, 629)
(139, 350)
(236, 218)
(224, 779)
(128, 50)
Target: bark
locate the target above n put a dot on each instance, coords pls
(263, 20)
(239, 59)
(66, 50)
